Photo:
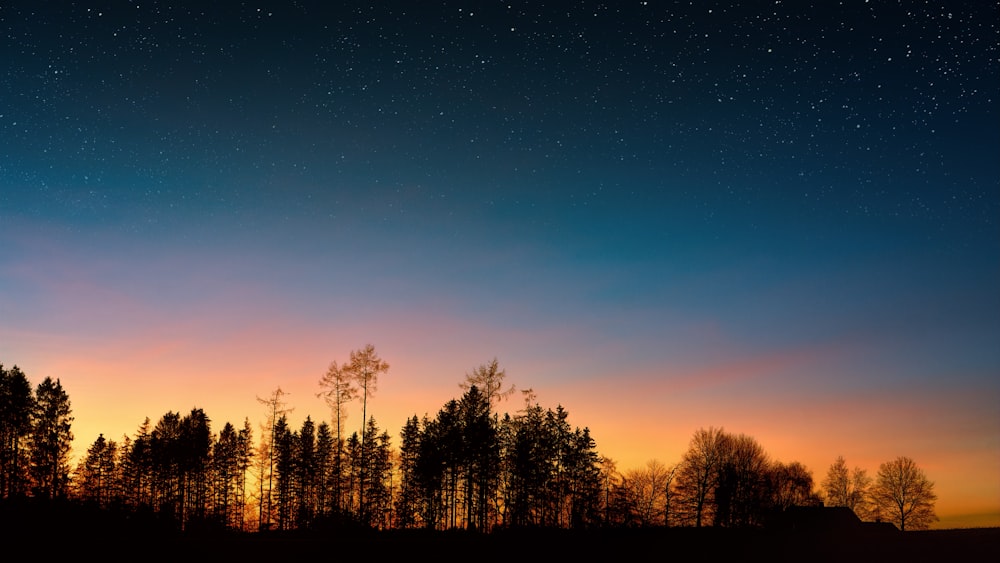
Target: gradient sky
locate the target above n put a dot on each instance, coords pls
(777, 218)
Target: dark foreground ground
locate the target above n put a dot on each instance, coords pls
(614, 546)
(42, 536)
(686, 545)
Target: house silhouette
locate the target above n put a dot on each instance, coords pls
(823, 519)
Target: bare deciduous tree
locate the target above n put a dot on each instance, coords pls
(698, 474)
(791, 485)
(648, 491)
(337, 391)
(489, 379)
(265, 460)
(903, 495)
(740, 490)
(848, 488)
(363, 368)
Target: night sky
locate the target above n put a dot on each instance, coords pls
(780, 218)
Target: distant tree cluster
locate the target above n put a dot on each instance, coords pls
(468, 467)
(177, 468)
(900, 493)
(722, 480)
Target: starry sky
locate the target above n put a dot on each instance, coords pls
(779, 218)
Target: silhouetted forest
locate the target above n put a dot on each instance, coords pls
(496, 483)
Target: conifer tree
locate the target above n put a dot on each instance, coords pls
(227, 470)
(305, 472)
(137, 469)
(51, 440)
(17, 405)
(97, 472)
(325, 445)
(408, 502)
(194, 448)
(284, 467)
(479, 457)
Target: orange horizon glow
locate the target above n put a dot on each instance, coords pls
(114, 386)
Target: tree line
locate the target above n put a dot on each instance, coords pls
(468, 467)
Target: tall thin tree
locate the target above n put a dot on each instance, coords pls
(364, 367)
(337, 390)
(275, 405)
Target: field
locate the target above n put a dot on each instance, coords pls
(610, 546)
(69, 533)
